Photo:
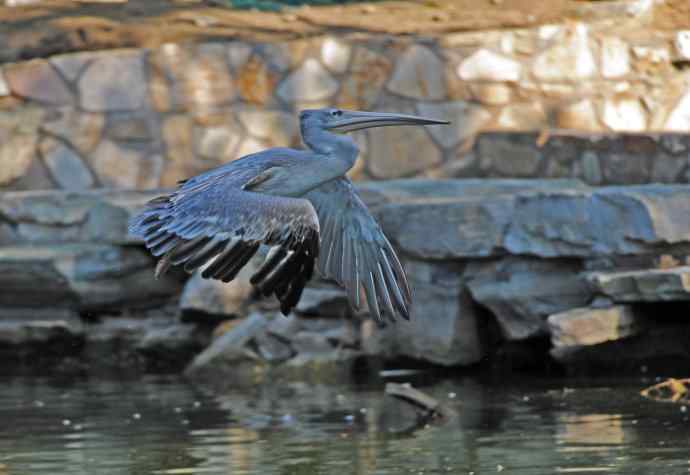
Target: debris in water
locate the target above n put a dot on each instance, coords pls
(671, 390)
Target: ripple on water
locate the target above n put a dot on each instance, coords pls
(322, 430)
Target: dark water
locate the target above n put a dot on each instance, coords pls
(167, 426)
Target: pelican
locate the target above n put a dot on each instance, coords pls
(300, 204)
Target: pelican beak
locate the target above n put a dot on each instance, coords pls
(350, 121)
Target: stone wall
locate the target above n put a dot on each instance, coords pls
(144, 118)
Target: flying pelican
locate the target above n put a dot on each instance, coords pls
(297, 202)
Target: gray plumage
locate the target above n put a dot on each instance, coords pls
(298, 202)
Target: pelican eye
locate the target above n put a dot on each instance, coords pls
(336, 113)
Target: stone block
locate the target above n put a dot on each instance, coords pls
(647, 285)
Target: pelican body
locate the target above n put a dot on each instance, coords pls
(297, 202)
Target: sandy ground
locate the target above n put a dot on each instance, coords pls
(56, 26)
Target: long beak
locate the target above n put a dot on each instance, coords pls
(354, 120)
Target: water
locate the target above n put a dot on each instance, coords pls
(163, 425)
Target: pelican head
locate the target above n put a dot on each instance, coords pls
(342, 121)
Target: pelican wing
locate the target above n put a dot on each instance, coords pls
(355, 252)
(205, 221)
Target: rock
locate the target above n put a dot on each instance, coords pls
(485, 65)
(627, 169)
(59, 216)
(65, 165)
(155, 343)
(323, 302)
(218, 142)
(492, 94)
(82, 130)
(66, 329)
(591, 168)
(72, 65)
(311, 82)
(120, 167)
(361, 88)
(580, 115)
(567, 60)
(586, 327)
(438, 297)
(4, 88)
(210, 298)
(682, 43)
(610, 221)
(529, 116)
(513, 158)
(624, 114)
(98, 91)
(649, 285)
(238, 54)
(335, 54)
(37, 80)
(466, 121)
(418, 74)
(615, 57)
(205, 80)
(17, 153)
(256, 81)
(129, 127)
(679, 118)
(84, 277)
(276, 126)
(522, 292)
(401, 151)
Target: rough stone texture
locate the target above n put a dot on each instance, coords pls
(521, 293)
(4, 88)
(219, 141)
(23, 331)
(361, 88)
(335, 54)
(65, 165)
(517, 158)
(444, 326)
(37, 81)
(418, 75)
(648, 285)
(58, 217)
(265, 347)
(624, 114)
(615, 57)
(213, 298)
(120, 167)
(395, 152)
(99, 92)
(485, 65)
(277, 127)
(466, 121)
(570, 59)
(81, 277)
(592, 326)
(311, 82)
(82, 130)
(679, 119)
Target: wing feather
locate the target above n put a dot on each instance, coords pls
(356, 254)
(210, 220)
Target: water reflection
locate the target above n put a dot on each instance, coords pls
(167, 426)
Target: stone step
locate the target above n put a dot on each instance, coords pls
(545, 218)
(83, 277)
(648, 285)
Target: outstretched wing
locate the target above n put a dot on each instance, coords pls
(355, 252)
(211, 220)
